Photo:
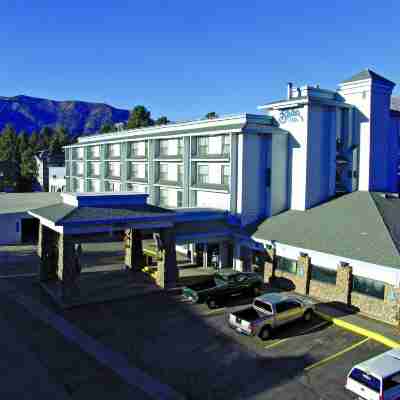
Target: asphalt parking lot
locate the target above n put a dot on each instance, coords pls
(193, 350)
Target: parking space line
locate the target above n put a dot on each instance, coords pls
(336, 355)
(301, 333)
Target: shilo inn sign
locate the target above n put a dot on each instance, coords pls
(290, 116)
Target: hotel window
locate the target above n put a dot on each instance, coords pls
(226, 175)
(368, 287)
(286, 265)
(137, 149)
(138, 171)
(323, 274)
(202, 145)
(114, 150)
(164, 198)
(93, 169)
(180, 147)
(79, 168)
(136, 188)
(164, 147)
(94, 152)
(114, 169)
(202, 174)
(226, 145)
(111, 186)
(163, 175)
(179, 173)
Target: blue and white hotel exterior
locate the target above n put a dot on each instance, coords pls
(302, 153)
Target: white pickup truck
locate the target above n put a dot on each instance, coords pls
(270, 311)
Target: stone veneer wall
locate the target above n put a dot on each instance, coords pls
(387, 310)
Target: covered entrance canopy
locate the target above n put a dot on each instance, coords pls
(96, 217)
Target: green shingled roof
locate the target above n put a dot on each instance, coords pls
(21, 202)
(361, 225)
(63, 213)
(368, 74)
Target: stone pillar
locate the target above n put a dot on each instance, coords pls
(47, 251)
(205, 256)
(167, 272)
(134, 258)
(269, 265)
(68, 270)
(246, 257)
(199, 255)
(304, 272)
(344, 283)
(224, 261)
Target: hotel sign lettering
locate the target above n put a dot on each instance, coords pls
(290, 116)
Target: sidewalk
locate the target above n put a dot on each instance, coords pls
(386, 334)
(23, 375)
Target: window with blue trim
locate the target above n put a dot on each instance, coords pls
(286, 265)
(323, 275)
(368, 287)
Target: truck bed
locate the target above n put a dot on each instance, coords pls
(248, 314)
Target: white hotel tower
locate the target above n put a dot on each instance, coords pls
(308, 148)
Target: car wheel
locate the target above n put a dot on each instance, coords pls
(308, 315)
(212, 304)
(265, 333)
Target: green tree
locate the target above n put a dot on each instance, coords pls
(44, 138)
(211, 115)
(162, 121)
(22, 144)
(139, 117)
(34, 141)
(8, 144)
(107, 127)
(28, 171)
(59, 139)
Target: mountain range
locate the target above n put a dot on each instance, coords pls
(78, 117)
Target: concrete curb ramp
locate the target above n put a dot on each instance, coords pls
(359, 330)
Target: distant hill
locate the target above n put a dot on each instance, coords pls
(78, 117)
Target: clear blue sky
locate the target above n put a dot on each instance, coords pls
(185, 58)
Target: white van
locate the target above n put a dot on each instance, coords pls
(377, 378)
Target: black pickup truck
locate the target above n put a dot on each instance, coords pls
(221, 286)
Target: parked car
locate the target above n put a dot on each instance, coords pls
(270, 311)
(221, 286)
(377, 378)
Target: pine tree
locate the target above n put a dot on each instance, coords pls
(22, 144)
(28, 171)
(33, 141)
(139, 117)
(8, 144)
(162, 121)
(45, 136)
(211, 115)
(59, 139)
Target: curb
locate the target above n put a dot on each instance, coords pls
(359, 330)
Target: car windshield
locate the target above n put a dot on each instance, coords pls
(264, 306)
(366, 379)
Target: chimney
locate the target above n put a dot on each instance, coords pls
(289, 90)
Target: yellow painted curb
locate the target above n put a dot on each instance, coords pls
(359, 331)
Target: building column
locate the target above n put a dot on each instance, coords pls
(167, 271)
(270, 265)
(192, 249)
(344, 282)
(224, 261)
(69, 267)
(205, 256)
(47, 251)
(304, 272)
(134, 257)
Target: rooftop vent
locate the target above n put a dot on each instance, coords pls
(289, 90)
